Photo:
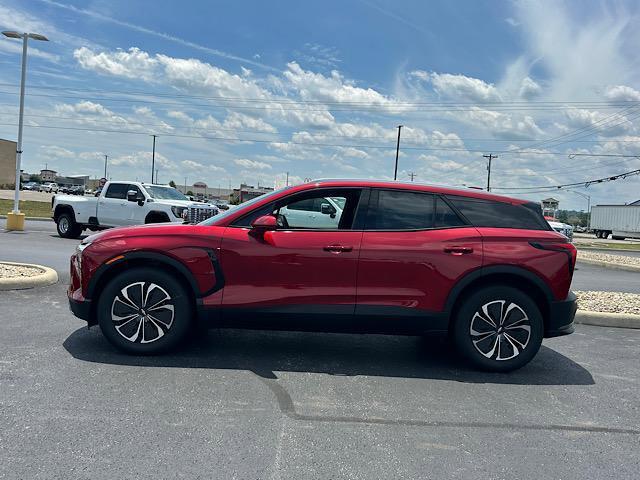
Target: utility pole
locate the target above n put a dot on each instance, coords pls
(185, 185)
(153, 158)
(287, 179)
(491, 156)
(157, 169)
(395, 172)
(412, 175)
(105, 165)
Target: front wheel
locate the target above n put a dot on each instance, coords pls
(498, 329)
(144, 311)
(67, 227)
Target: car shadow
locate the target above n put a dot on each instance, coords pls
(267, 352)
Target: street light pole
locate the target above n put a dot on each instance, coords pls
(153, 157)
(105, 165)
(588, 199)
(12, 222)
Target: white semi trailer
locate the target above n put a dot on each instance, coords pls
(619, 221)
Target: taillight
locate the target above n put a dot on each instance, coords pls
(565, 247)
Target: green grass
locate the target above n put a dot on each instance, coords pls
(28, 207)
(611, 246)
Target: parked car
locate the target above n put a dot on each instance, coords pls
(397, 258)
(122, 204)
(34, 186)
(563, 228)
(76, 190)
(49, 187)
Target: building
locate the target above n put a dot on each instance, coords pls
(7, 163)
(47, 175)
(247, 192)
(550, 207)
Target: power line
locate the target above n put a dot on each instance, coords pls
(293, 142)
(586, 103)
(280, 105)
(587, 183)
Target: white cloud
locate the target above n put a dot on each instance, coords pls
(461, 87)
(582, 118)
(622, 93)
(529, 89)
(253, 164)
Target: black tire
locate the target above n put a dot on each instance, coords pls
(144, 333)
(67, 226)
(472, 334)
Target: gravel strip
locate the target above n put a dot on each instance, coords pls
(609, 258)
(13, 271)
(610, 302)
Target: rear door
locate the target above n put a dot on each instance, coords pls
(414, 249)
(113, 204)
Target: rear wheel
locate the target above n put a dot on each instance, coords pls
(67, 227)
(498, 329)
(144, 311)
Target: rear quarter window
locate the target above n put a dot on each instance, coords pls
(489, 213)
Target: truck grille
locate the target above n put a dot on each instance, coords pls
(199, 213)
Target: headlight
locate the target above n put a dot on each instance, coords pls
(79, 249)
(178, 211)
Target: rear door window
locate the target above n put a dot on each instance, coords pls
(400, 210)
(490, 213)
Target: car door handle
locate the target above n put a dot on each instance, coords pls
(458, 250)
(337, 248)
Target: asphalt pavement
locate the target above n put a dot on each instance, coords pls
(247, 404)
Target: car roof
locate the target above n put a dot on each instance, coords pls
(415, 186)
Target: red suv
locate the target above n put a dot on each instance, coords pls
(340, 256)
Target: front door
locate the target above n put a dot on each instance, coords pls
(300, 268)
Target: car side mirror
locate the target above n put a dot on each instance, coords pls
(327, 209)
(135, 196)
(264, 224)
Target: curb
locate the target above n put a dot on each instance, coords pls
(32, 219)
(614, 266)
(605, 319)
(48, 277)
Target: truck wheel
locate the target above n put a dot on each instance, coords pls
(498, 329)
(144, 311)
(67, 227)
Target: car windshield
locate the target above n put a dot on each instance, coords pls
(233, 211)
(164, 193)
(340, 201)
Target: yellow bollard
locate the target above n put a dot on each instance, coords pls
(15, 221)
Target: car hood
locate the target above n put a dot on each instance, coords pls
(183, 203)
(153, 230)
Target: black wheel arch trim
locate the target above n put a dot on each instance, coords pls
(166, 259)
(481, 272)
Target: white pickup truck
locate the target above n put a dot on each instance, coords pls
(125, 203)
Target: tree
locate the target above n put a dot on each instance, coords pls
(172, 184)
(189, 193)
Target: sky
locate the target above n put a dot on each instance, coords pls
(247, 91)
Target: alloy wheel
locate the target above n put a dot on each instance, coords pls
(63, 224)
(142, 312)
(500, 330)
